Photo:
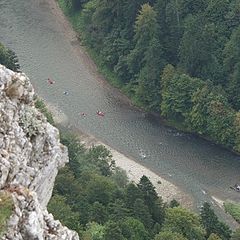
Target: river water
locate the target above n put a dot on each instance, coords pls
(201, 168)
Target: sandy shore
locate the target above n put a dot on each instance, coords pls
(135, 171)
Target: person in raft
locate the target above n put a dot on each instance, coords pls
(50, 81)
(99, 113)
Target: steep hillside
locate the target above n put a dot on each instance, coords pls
(30, 156)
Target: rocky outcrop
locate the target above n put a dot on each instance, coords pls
(30, 156)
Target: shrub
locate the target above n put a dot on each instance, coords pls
(40, 105)
(233, 209)
(6, 207)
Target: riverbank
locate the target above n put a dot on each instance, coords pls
(173, 153)
(167, 190)
(70, 24)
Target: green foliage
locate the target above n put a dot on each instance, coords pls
(6, 209)
(9, 58)
(100, 206)
(113, 231)
(117, 210)
(133, 41)
(39, 104)
(233, 209)
(214, 236)
(95, 230)
(119, 176)
(212, 224)
(100, 189)
(236, 235)
(232, 66)
(169, 236)
(184, 222)
(174, 203)
(61, 210)
(133, 229)
(148, 190)
(141, 212)
(198, 49)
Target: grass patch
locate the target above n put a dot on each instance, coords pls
(6, 208)
(40, 105)
(233, 209)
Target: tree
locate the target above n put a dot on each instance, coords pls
(9, 59)
(212, 224)
(169, 236)
(157, 211)
(101, 157)
(98, 213)
(184, 222)
(133, 229)
(197, 118)
(117, 211)
(198, 50)
(177, 93)
(96, 231)
(148, 190)
(100, 189)
(75, 151)
(141, 212)
(192, 7)
(132, 193)
(233, 17)
(237, 131)
(148, 87)
(236, 235)
(145, 30)
(232, 66)
(75, 4)
(61, 210)
(120, 177)
(214, 236)
(174, 30)
(67, 185)
(112, 231)
(174, 203)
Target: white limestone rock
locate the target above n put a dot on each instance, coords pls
(30, 156)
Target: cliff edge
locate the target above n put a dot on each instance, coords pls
(30, 156)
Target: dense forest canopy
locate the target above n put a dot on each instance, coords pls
(180, 58)
(95, 198)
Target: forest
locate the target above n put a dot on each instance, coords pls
(95, 198)
(179, 58)
(175, 57)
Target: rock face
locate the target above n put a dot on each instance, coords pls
(30, 156)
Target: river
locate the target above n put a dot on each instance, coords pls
(45, 49)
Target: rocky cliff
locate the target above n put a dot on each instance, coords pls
(30, 156)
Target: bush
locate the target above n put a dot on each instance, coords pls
(9, 59)
(40, 105)
(233, 209)
(6, 207)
